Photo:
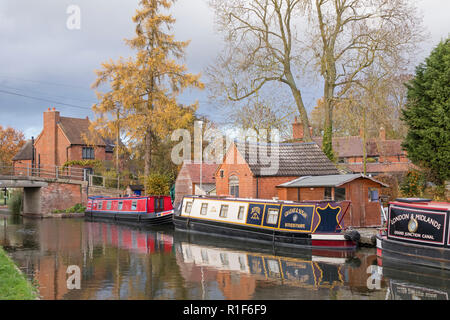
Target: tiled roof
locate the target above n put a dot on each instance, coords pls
(76, 129)
(25, 153)
(286, 159)
(326, 181)
(352, 146)
(208, 171)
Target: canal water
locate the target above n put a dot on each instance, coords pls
(76, 259)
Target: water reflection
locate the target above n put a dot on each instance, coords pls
(128, 262)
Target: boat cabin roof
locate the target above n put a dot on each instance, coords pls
(422, 204)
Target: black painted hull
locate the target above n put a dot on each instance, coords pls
(409, 253)
(139, 218)
(254, 234)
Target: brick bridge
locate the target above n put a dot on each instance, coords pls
(56, 189)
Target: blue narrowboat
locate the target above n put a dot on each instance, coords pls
(311, 224)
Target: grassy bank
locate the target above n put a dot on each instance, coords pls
(13, 284)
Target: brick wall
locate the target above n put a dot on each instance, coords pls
(183, 185)
(60, 196)
(267, 186)
(235, 165)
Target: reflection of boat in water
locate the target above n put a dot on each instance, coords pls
(418, 232)
(298, 272)
(298, 267)
(406, 291)
(410, 281)
(152, 210)
(311, 224)
(129, 238)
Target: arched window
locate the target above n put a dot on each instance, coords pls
(233, 184)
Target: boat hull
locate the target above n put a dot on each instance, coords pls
(146, 219)
(412, 253)
(289, 239)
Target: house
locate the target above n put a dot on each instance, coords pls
(362, 191)
(383, 156)
(188, 180)
(252, 170)
(63, 139)
(135, 190)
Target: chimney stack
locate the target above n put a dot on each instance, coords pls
(382, 133)
(51, 119)
(297, 130)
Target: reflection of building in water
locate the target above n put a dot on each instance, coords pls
(237, 272)
(116, 262)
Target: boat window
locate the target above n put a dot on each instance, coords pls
(204, 209)
(100, 205)
(161, 203)
(134, 205)
(241, 213)
(156, 202)
(188, 207)
(108, 205)
(120, 205)
(339, 194)
(272, 216)
(223, 211)
(224, 259)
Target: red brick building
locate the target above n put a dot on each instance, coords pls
(188, 180)
(384, 156)
(63, 139)
(254, 170)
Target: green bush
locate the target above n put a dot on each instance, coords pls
(78, 208)
(413, 184)
(157, 184)
(15, 202)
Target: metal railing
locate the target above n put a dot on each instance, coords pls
(60, 173)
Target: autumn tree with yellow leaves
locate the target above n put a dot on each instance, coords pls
(142, 103)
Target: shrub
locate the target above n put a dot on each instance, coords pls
(413, 184)
(157, 184)
(15, 203)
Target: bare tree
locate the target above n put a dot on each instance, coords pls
(350, 36)
(261, 48)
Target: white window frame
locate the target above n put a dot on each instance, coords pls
(204, 209)
(271, 215)
(188, 207)
(222, 207)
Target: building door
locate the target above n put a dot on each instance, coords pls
(233, 183)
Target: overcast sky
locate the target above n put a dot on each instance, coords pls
(41, 58)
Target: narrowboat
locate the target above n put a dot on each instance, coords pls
(417, 233)
(150, 210)
(311, 224)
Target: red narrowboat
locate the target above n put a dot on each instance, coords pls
(147, 210)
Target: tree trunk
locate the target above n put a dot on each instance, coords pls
(300, 106)
(148, 152)
(327, 144)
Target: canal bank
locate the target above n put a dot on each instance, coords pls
(13, 283)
